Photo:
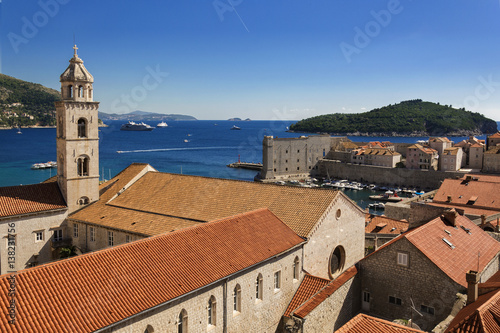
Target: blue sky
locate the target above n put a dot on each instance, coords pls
(261, 59)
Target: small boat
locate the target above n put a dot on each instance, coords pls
(387, 196)
(19, 130)
(131, 126)
(235, 127)
(46, 165)
(186, 140)
(162, 124)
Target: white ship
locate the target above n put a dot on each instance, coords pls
(131, 126)
(162, 124)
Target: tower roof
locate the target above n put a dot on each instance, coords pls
(76, 71)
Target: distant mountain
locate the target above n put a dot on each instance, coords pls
(24, 103)
(144, 116)
(408, 118)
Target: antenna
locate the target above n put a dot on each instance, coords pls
(412, 307)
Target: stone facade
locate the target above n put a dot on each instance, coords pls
(421, 281)
(491, 162)
(400, 177)
(289, 157)
(418, 157)
(451, 159)
(493, 140)
(383, 157)
(254, 315)
(34, 239)
(342, 226)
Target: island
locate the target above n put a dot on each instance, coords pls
(407, 118)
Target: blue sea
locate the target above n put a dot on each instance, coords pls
(202, 147)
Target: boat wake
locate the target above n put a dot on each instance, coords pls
(170, 149)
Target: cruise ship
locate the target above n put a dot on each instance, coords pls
(131, 126)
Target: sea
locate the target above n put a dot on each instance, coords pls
(201, 147)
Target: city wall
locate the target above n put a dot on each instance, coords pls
(400, 177)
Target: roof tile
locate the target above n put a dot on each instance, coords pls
(367, 324)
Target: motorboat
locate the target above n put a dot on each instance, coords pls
(47, 165)
(387, 196)
(162, 124)
(132, 126)
(235, 127)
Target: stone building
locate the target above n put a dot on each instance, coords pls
(473, 149)
(39, 211)
(426, 267)
(294, 157)
(440, 144)
(451, 159)
(493, 140)
(419, 157)
(382, 157)
(491, 162)
(380, 230)
(237, 274)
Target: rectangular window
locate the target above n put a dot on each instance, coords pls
(128, 239)
(39, 236)
(58, 235)
(110, 238)
(366, 296)
(277, 280)
(394, 300)
(402, 259)
(75, 230)
(92, 234)
(427, 309)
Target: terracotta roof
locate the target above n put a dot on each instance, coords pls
(303, 310)
(496, 135)
(493, 150)
(439, 139)
(483, 315)
(367, 324)
(456, 261)
(451, 151)
(461, 190)
(467, 210)
(158, 198)
(309, 286)
(477, 145)
(390, 226)
(94, 290)
(381, 151)
(423, 149)
(25, 199)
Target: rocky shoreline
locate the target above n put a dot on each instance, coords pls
(35, 126)
(407, 134)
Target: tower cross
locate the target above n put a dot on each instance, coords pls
(75, 48)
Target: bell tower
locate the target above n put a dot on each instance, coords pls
(77, 137)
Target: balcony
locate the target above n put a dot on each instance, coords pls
(60, 242)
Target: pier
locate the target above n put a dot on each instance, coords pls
(246, 165)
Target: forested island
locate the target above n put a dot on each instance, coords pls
(408, 118)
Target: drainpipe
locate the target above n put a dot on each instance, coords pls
(224, 306)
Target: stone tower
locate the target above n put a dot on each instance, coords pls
(77, 137)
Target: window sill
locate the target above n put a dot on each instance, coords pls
(277, 290)
(210, 327)
(258, 300)
(236, 313)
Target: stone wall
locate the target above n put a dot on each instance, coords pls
(336, 310)
(342, 225)
(28, 250)
(255, 316)
(421, 281)
(385, 176)
(491, 163)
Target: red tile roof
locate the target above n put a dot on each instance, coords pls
(183, 200)
(367, 324)
(384, 225)
(496, 135)
(310, 304)
(467, 210)
(94, 290)
(461, 190)
(25, 199)
(309, 286)
(481, 316)
(454, 262)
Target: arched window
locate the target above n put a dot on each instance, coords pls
(258, 287)
(80, 91)
(182, 323)
(237, 299)
(149, 329)
(296, 268)
(70, 91)
(212, 311)
(83, 201)
(337, 260)
(83, 166)
(82, 128)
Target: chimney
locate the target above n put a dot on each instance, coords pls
(451, 217)
(472, 278)
(483, 221)
(448, 199)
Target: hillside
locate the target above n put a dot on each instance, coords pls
(144, 116)
(408, 118)
(25, 104)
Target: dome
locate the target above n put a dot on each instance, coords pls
(76, 71)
